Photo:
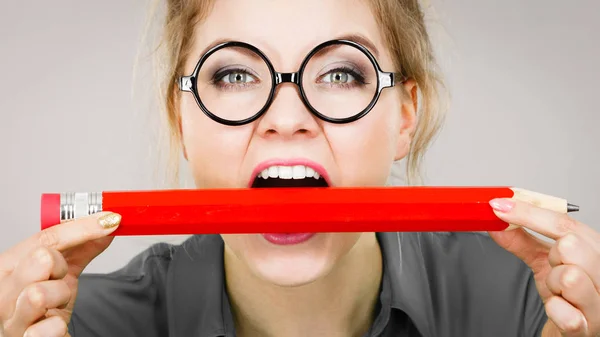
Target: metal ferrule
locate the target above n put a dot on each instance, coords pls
(77, 205)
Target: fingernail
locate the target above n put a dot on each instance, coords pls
(585, 324)
(502, 205)
(577, 323)
(109, 220)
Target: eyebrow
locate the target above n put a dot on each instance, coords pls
(355, 37)
(360, 39)
(214, 44)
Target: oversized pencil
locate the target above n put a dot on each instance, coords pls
(296, 210)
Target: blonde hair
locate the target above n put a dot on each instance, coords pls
(402, 24)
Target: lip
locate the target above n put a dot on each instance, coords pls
(290, 162)
(288, 239)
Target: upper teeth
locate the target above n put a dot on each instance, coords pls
(289, 172)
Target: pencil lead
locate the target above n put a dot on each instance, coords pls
(572, 208)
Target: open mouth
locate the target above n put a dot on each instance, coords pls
(289, 176)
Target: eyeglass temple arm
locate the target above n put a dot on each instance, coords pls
(390, 79)
(400, 78)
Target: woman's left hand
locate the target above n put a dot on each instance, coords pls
(566, 271)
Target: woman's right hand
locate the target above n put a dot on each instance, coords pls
(38, 277)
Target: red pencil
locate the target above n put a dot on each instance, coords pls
(296, 210)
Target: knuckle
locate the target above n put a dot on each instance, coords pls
(43, 256)
(571, 278)
(43, 262)
(566, 224)
(48, 238)
(36, 296)
(567, 244)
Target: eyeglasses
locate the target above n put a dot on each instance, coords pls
(340, 81)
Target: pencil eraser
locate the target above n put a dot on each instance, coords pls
(50, 210)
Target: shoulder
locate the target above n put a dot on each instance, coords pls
(150, 267)
(158, 258)
(474, 253)
(471, 284)
(468, 250)
(133, 295)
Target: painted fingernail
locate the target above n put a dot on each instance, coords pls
(502, 205)
(109, 220)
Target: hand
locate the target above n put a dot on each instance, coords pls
(566, 271)
(38, 277)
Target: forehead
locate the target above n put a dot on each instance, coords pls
(285, 30)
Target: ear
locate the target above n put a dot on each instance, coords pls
(408, 119)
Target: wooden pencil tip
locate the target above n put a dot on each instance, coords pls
(572, 208)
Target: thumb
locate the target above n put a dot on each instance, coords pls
(80, 256)
(530, 249)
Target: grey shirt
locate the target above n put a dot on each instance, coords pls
(434, 284)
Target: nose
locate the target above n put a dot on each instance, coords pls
(287, 117)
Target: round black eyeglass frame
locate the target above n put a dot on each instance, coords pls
(384, 80)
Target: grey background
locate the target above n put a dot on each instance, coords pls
(524, 78)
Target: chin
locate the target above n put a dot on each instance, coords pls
(292, 265)
(291, 271)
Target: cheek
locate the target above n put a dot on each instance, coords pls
(214, 151)
(365, 149)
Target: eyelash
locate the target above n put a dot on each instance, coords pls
(217, 78)
(220, 74)
(350, 71)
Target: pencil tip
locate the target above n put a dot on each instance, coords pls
(572, 208)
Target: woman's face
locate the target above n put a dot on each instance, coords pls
(360, 153)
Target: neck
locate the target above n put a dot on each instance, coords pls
(340, 304)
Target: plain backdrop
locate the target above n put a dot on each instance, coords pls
(524, 78)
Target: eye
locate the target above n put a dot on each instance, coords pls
(237, 77)
(343, 77)
(338, 77)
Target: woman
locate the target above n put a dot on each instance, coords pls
(296, 104)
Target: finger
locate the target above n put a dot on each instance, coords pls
(569, 320)
(64, 236)
(42, 264)
(548, 223)
(79, 257)
(35, 300)
(572, 249)
(530, 249)
(572, 284)
(49, 327)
